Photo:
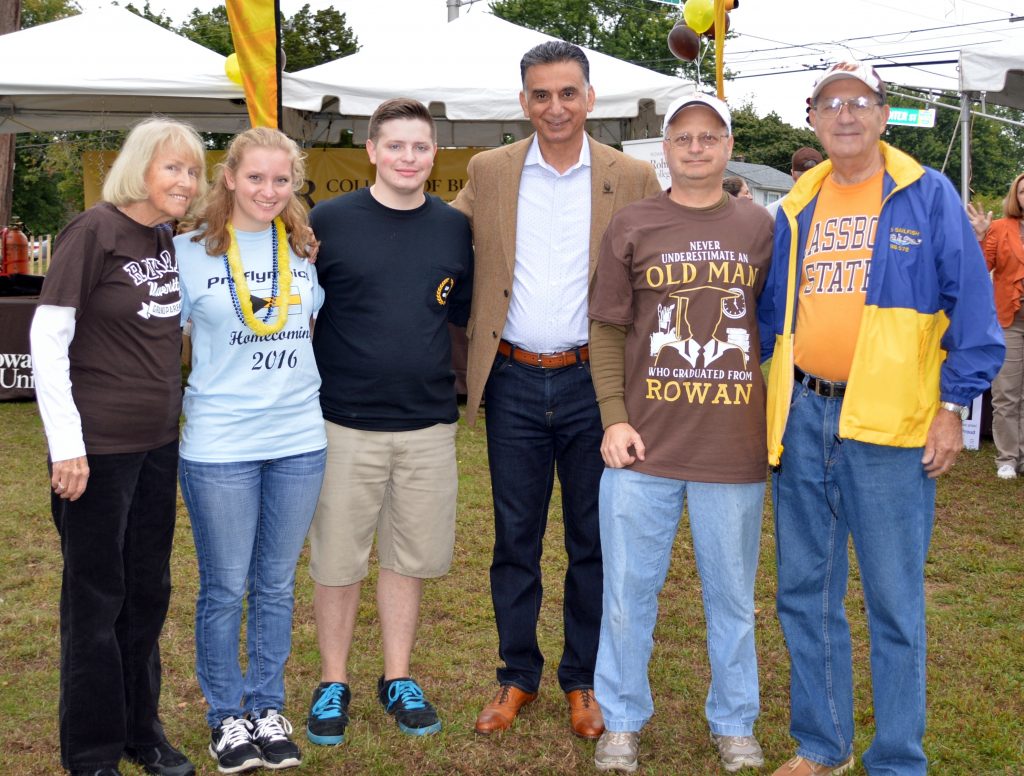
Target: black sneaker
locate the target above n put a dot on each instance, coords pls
(328, 714)
(161, 759)
(271, 736)
(403, 699)
(231, 745)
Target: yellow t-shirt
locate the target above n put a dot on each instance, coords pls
(834, 277)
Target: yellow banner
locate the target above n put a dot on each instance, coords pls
(254, 34)
(329, 172)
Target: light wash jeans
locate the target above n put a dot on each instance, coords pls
(249, 521)
(826, 490)
(639, 518)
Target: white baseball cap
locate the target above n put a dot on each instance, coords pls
(851, 69)
(697, 98)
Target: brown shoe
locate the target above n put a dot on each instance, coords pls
(499, 714)
(585, 717)
(801, 766)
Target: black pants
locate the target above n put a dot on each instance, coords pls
(116, 543)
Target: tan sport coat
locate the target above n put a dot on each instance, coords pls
(490, 200)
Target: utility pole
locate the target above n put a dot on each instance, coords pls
(453, 10)
(10, 21)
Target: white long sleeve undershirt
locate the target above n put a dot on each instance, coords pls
(52, 330)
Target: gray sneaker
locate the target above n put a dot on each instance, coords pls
(737, 752)
(617, 751)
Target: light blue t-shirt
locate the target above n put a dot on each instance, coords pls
(248, 397)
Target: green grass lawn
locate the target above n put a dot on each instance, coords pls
(976, 638)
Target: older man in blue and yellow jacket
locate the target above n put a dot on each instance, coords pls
(878, 310)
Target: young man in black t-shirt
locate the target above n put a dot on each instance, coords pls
(396, 267)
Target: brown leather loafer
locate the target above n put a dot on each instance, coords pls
(499, 714)
(585, 717)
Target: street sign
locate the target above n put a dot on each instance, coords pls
(911, 117)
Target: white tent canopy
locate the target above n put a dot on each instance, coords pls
(467, 71)
(994, 74)
(108, 69)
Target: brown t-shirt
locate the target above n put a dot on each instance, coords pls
(122, 279)
(685, 283)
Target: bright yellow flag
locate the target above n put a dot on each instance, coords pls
(255, 35)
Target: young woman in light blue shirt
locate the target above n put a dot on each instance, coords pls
(253, 446)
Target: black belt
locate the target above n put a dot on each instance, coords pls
(819, 386)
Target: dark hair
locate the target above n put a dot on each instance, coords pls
(733, 184)
(551, 52)
(400, 108)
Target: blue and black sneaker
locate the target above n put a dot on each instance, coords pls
(328, 714)
(403, 699)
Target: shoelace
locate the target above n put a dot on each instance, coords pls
(619, 739)
(234, 732)
(328, 705)
(586, 697)
(272, 727)
(408, 692)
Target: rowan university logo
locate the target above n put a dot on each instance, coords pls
(444, 288)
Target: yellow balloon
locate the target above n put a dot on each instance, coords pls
(699, 15)
(232, 69)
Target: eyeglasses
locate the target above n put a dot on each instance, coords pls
(707, 140)
(857, 106)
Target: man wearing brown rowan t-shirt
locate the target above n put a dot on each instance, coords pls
(674, 350)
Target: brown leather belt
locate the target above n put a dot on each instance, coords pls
(819, 386)
(544, 360)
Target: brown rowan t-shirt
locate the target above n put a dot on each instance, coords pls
(122, 279)
(685, 283)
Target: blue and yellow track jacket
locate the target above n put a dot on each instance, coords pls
(929, 331)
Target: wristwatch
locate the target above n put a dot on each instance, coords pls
(957, 409)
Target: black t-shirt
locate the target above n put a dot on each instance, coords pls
(122, 279)
(392, 279)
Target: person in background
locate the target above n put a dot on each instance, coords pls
(737, 187)
(878, 311)
(651, 341)
(538, 209)
(396, 266)
(804, 159)
(253, 446)
(1002, 242)
(106, 340)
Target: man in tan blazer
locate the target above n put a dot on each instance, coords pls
(538, 209)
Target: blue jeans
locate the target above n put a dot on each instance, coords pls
(639, 518)
(249, 521)
(115, 587)
(827, 490)
(540, 421)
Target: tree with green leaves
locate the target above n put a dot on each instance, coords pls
(768, 140)
(311, 39)
(996, 148)
(633, 32)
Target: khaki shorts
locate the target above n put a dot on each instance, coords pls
(401, 486)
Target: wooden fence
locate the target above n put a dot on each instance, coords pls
(40, 247)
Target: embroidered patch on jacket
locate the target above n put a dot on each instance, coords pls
(902, 239)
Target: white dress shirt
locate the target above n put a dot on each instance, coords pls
(548, 309)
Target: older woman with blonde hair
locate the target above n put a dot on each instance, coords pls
(254, 446)
(105, 343)
(1002, 242)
